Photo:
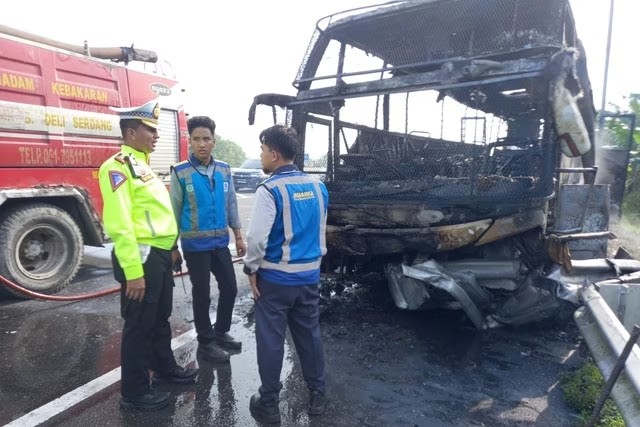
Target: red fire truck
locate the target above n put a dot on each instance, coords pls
(56, 129)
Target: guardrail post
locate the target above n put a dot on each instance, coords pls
(607, 339)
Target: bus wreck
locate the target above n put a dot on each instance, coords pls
(440, 128)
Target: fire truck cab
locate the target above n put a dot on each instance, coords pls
(56, 129)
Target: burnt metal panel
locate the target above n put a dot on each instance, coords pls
(461, 76)
(418, 31)
(513, 225)
(585, 209)
(375, 241)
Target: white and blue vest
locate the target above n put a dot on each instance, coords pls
(297, 240)
(203, 221)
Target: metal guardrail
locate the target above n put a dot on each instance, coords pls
(606, 338)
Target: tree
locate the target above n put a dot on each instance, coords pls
(620, 128)
(228, 151)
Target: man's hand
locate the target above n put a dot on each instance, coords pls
(241, 248)
(253, 281)
(135, 289)
(176, 257)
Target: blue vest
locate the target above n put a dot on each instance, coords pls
(203, 221)
(297, 240)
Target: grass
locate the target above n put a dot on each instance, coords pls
(627, 232)
(581, 390)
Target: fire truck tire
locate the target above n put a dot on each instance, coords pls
(41, 247)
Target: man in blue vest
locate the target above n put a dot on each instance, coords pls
(286, 242)
(205, 205)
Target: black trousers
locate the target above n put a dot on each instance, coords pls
(146, 335)
(296, 306)
(201, 265)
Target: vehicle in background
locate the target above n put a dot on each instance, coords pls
(248, 175)
(56, 129)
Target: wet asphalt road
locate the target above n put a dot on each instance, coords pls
(385, 367)
(50, 349)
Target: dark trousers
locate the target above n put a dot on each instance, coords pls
(146, 335)
(201, 265)
(277, 307)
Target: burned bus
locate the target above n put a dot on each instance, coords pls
(442, 130)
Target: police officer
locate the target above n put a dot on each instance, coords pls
(204, 201)
(285, 244)
(139, 219)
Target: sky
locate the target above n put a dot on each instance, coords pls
(224, 53)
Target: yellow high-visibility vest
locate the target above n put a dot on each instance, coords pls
(137, 208)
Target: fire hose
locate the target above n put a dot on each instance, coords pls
(36, 295)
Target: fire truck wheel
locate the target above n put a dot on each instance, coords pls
(43, 247)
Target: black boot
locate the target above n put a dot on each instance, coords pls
(178, 375)
(266, 412)
(212, 353)
(227, 341)
(151, 401)
(317, 403)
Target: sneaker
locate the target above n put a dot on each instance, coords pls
(212, 353)
(317, 403)
(227, 341)
(266, 412)
(151, 401)
(178, 375)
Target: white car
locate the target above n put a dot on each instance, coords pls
(248, 175)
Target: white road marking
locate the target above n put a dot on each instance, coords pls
(61, 404)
